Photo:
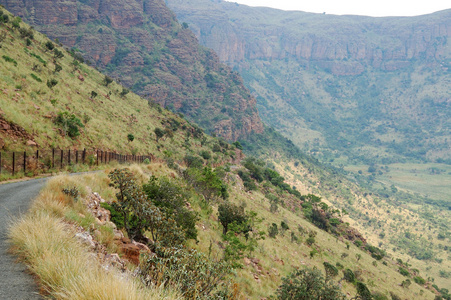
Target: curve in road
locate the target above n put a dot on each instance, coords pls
(15, 199)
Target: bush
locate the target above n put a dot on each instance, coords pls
(133, 204)
(49, 45)
(206, 182)
(308, 284)
(229, 213)
(404, 272)
(331, 270)
(358, 243)
(205, 154)
(194, 161)
(106, 80)
(363, 292)
(35, 77)
(171, 199)
(130, 137)
(348, 275)
(420, 280)
(273, 230)
(69, 124)
(159, 133)
(52, 82)
(9, 59)
(248, 183)
(189, 271)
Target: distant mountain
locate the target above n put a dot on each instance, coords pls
(142, 44)
(375, 90)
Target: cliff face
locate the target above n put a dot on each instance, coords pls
(375, 89)
(346, 45)
(141, 43)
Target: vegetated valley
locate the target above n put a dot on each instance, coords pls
(255, 222)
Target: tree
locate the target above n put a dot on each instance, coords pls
(331, 270)
(308, 284)
(107, 80)
(363, 293)
(130, 137)
(171, 199)
(229, 213)
(140, 215)
(159, 133)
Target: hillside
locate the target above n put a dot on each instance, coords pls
(142, 44)
(348, 89)
(50, 99)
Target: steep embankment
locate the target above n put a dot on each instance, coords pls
(371, 90)
(142, 44)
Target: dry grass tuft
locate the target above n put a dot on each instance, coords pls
(66, 269)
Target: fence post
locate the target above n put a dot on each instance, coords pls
(97, 157)
(0, 163)
(76, 157)
(84, 155)
(53, 157)
(68, 160)
(62, 157)
(14, 162)
(24, 162)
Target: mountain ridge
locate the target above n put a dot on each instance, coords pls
(142, 43)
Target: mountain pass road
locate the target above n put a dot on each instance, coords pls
(15, 198)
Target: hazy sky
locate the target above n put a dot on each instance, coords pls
(373, 8)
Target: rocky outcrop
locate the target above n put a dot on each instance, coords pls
(141, 43)
(345, 45)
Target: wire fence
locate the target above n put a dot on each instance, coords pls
(40, 161)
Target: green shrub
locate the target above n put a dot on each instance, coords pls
(52, 82)
(16, 22)
(193, 161)
(273, 230)
(133, 204)
(404, 272)
(229, 213)
(171, 199)
(73, 192)
(159, 133)
(205, 154)
(420, 280)
(9, 59)
(130, 137)
(362, 291)
(308, 284)
(57, 53)
(348, 275)
(49, 45)
(206, 182)
(35, 77)
(331, 270)
(358, 243)
(310, 241)
(69, 124)
(189, 271)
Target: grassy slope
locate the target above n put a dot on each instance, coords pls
(277, 257)
(28, 103)
(384, 221)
